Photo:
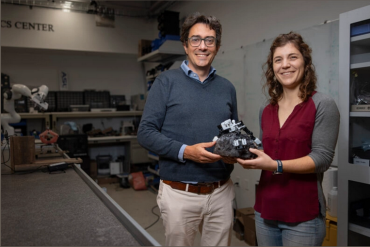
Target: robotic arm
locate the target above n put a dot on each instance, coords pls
(37, 95)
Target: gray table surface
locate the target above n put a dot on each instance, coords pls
(56, 210)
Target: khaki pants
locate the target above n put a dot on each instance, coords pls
(184, 213)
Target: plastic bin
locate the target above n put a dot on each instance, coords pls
(359, 28)
(65, 99)
(116, 100)
(21, 105)
(51, 100)
(96, 99)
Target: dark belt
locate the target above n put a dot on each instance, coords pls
(199, 188)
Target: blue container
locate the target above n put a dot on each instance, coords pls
(156, 44)
(360, 28)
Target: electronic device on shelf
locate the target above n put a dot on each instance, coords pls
(103, 163)
(76, 145)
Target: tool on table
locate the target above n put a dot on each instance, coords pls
(49, 138)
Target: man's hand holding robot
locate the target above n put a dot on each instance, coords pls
(199, 154)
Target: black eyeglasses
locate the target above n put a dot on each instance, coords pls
(208, 41)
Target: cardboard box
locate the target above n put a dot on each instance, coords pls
(22, 151)
(238, 229)
(331, 233)
(239, 235)
(145, 47)
(246, 216)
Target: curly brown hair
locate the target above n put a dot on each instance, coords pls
(308, 84)
(195, 18)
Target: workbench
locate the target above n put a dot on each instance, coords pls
(64, 209)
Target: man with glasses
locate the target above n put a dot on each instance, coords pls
(180, 119)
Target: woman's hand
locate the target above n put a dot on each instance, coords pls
(263, 161)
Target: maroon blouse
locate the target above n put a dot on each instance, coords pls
(288, 197)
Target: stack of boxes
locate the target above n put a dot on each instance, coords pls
(168, 23)
(244, 226)
(169, 29)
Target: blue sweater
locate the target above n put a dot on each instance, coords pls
(179, 110)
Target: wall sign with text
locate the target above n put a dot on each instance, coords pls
(27, 25)
(63, 80)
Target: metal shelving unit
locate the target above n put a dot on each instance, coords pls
(359, 229)
(353, 179)
(359, 114)
(169, 51)
(110, 139)
(43, 115)
(153, 171)
(57, 115)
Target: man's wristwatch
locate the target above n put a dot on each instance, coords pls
(279, 169)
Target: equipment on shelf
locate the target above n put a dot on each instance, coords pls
(5, 85)
(360, 92)
(37, 95)
(125, 165)
(115, 168)
(49, 138)
(97, 99)
(128, 127)
(138, 102)
(79, 108)
(60, 166)
(169, 23)
(103, 109)
(76, 145)
(103, 163)
(69, 128)
(64, 99)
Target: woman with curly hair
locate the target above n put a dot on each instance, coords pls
(299, 131)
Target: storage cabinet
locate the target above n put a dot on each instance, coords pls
(354, 105)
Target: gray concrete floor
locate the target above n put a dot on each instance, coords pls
(139, 205)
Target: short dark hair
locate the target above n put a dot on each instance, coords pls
(308, 84)
(195, 18)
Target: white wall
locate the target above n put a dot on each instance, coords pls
(249, 22)
(117, 73)
(74, 31)
(94, 57)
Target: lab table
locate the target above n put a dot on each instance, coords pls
(64, 209)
